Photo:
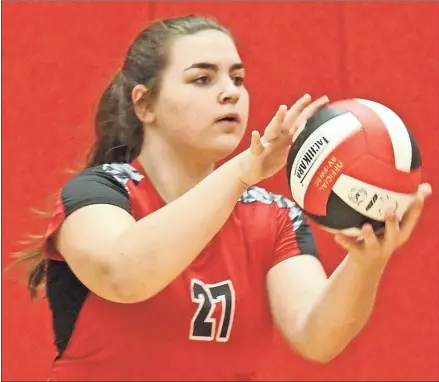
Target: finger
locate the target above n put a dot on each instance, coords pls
(411, 217)
(296, 128)
(273, 130)
(391, 232)
(425, 190)
(256, 146)
(347, 243)
(313, 107)
(371, 242)
(307, 113)
(296, 109)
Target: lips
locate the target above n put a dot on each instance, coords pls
(231, 117)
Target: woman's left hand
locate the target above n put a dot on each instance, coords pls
(374, 247)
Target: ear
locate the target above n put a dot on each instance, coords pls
(141, 107)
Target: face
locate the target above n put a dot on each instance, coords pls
(203, 105)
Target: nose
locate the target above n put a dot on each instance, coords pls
(230, 93)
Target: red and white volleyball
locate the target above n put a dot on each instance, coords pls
(351, 162)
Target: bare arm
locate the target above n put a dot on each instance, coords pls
(127, 261)
(319, 316)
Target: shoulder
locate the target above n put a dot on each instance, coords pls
(255, 194)
(121, 173)
(279, 204)
(274, 220)
(109, 174)
(103, 184)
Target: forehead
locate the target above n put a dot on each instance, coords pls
(209, 46)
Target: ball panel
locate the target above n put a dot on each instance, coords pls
(315, 150)
(320, 186)
(371, 201)
(402, 147)
(372, 171)
(416, 155)
(341, 216)
(380, 145)
(322, 116)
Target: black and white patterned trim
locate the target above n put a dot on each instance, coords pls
(261, 195)
(123, 172)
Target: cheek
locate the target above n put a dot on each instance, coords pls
(244, 107)
(186, 109)
(182, 118)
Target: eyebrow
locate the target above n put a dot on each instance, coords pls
(214, 67)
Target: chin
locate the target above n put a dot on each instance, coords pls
(225, 146)
(230, 143)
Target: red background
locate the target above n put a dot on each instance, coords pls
(57, 57)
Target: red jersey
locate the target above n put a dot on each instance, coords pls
(212, 322)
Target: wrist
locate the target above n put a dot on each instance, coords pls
(245, 169)
(370, 265)
(233, 171)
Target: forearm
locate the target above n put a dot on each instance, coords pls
(160, 246)
(342, 308)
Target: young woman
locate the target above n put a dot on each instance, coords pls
(159, 266)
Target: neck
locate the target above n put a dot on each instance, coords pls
(172, 173)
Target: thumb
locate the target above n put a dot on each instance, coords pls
(256, 146)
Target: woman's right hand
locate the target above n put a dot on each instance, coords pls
(268, 154)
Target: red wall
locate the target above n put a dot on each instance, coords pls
(58, 56)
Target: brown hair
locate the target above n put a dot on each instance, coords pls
(119, 133)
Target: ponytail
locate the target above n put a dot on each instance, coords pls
(119, 137)
(119, 133)
(34, 257)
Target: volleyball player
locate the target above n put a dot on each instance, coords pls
(160, 266)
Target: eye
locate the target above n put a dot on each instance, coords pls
(238, 80)
(202, 80)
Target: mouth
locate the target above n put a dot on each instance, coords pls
(231, 117)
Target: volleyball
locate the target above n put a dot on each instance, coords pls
(352, 161)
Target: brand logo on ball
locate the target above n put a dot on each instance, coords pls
(386, 203)
(372, 202)
(309, 157)
(357, 195)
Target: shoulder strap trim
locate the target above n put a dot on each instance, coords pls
(123, 172)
